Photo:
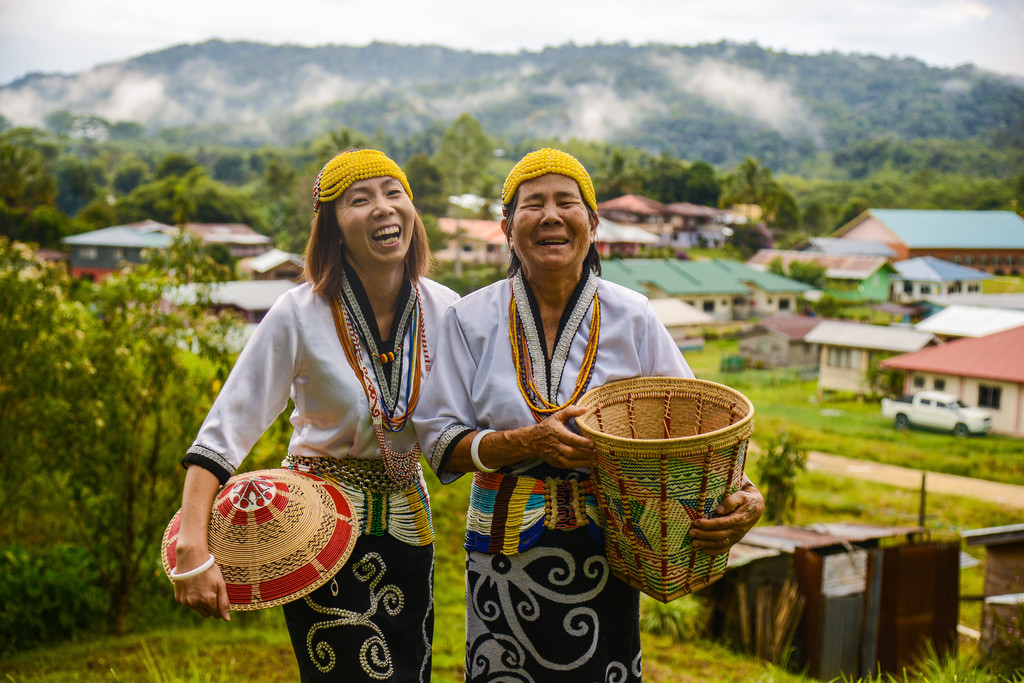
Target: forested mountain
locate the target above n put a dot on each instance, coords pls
(718, 102)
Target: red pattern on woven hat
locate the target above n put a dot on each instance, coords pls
(277, 535)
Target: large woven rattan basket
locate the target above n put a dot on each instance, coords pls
(669, 450)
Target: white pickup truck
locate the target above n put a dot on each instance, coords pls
(937, 410)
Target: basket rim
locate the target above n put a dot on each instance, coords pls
(617, 387)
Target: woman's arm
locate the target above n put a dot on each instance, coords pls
(206, 592)
(550, 440)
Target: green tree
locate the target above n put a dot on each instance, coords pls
(749, 184)
(463, 156)
(129, 174)
(807, 272)
(174, 164)
(99, 394)
(781, 459)
(427, 184)
(75, 186)
(853, 207)
(702, 186)
(193, 198)
(665, 179)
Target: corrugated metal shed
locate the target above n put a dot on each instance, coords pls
(863, 336)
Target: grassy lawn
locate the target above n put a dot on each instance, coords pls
(855, 428)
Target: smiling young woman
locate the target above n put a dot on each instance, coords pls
(351, 347)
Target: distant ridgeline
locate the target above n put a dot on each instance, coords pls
(718, 102)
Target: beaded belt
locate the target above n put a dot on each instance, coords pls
(381, 506)
(508, 513)
(363, 474)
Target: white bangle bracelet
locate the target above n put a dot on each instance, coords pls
(474, 451)
(193, 572)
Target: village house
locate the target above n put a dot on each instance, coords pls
(615, 239)
(849, 349)
(779, 341)
(725, 290)
(97, 254)
(249, 299)
(273, 265)
(684, 322)
(241, 240)
(635, 209)
(847, 277)
(992, 241)
(473, 241)
(695, 225)
(987, 372)
(918, 278)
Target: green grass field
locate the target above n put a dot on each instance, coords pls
(256, 645)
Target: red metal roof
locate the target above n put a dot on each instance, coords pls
(998, 356)
(633, 203)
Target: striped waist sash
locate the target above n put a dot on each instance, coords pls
(508, 513)
(380, 506)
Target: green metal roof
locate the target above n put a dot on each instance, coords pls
(693, 278)
(954, 229)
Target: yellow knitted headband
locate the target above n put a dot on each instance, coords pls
(544, 161)
(348, 167)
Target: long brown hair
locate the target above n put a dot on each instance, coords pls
(325, 252)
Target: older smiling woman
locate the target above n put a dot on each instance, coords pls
(512, 360)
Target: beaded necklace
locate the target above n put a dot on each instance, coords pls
(400, 466)
(525, 340)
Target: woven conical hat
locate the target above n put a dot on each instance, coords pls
(277, 535)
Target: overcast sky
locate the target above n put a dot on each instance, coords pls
(72, 35)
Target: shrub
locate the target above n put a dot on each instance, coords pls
(46, 595)
(780, 460)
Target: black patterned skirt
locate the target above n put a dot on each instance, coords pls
(551, 613)
(374, 621)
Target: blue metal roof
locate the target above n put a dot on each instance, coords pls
(121, 236)
(954, 229)
(931, 269)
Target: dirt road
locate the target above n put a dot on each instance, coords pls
(935, 482)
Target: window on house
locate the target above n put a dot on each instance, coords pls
(940, 385)
(908, 287)
(989, 396)
(117, 254)
(926, 289)
(843, 358)
(973, 288)
(769, 300)
(919, 382)
(88, 253)
(968, 260)
(709, 306)
(783, 304)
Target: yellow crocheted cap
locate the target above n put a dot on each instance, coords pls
(544, 161)
(348, 167)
